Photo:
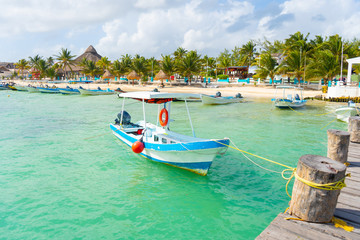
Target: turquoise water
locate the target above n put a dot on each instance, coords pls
(64, 176)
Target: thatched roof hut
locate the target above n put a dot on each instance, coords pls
(161, 75)
(108, 75)
(133, 75)
(89, 54)
(3, 69)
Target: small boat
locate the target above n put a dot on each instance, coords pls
(20, 88)
(3, 86)
(30, 88)
(157, 143)
(344, 113)
(48, 89)
(69, 90)
(97, 91)
(218, 99)
(289, 100)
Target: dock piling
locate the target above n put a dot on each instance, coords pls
(338, 145)
(354, 129)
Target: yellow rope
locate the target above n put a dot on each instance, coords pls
(342, 224)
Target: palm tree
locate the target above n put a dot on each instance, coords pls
(104, 63)
(180, 53)
(118, 68)
(292, 65)
(90, 68)
(33, 61)
(140, 66)
(42, 66)
(267, 67)
(248, 50)
(50, 61)
(154, 65)
(65, 60)
(22, 65)
(168, 66)
(189, 65)
(51, 72)
(324, 65)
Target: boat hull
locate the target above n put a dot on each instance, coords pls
(20, 88)
(285, 103)
(344, 113)
(32, 89)
(196, 157)
(48, 90)
(95, 92)
(209, 100)
(68, 91)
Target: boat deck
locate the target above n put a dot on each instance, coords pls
(347, 209)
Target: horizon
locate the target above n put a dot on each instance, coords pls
(152, 28)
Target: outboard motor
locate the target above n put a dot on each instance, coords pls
(238, 95)
(126, 118)
(155, 90)
(218, 94)
(81, 87)
(297, 97)
(68, 87)
(99, 88)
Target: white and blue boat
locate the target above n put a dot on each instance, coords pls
(292, 100)
(48, 89)
(69, 90)
(344, 113)
(97, 91)
(30, 88)
(156, 142)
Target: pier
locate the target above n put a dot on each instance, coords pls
(347, 209)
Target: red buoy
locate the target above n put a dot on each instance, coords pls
(138, 147)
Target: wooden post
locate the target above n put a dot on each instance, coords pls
(338, 145)
(313, 204)
(354, 129)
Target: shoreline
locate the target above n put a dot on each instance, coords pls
(246, 91)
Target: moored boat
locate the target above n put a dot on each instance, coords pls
(3, 86)
(292, 100)
(344, 113)
(157, 143)
(30, 88)
(69, 90)
(20, 88)
(218, 99)
(48, 89)
(98, 91)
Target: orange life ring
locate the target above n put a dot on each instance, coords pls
(163, 117)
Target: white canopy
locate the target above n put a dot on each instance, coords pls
(351, 61)
(158, 95)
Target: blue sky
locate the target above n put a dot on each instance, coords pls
(155, 27)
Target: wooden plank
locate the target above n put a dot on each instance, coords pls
(350, 190)
(292, 229)
(347, 216)
(349, 199)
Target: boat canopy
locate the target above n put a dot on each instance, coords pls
(157, 95)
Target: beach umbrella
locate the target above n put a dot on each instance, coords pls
(161, 76)
(108, 75)
(133, 75)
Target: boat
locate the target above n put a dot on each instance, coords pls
(20, 88)
(69, 90)
(48, 89)
(157, 143)
(30, 88)
(292, 100)
(344, 113)
(97, 91)
(218, 99)
(3, 86)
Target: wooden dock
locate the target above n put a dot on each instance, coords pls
(347, 209)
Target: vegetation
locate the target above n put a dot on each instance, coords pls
(297, 56)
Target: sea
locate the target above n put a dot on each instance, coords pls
(63, 175)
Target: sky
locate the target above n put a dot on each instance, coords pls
(155, 27)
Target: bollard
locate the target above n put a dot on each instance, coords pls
(354, 129)
(338, 145)
(311, 203)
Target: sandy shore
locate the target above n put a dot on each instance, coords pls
(246, 91)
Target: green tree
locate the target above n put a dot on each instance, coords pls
(22, 65)
(104, 63)
(189, 65)
(168, 66)
(66, 60)
(292, 65)
(118, 68)
(180, 53)
(324, 65)
(140, 66)
(248, 50)
(42, 66)
(90, 68)
(268, 67)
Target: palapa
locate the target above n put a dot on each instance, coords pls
(107, 75)
(161, 75)
(133, 75)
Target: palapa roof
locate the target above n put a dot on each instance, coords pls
(107, 74)
(161, 75)
(2, 68)
(133, 75)
(89, 54)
